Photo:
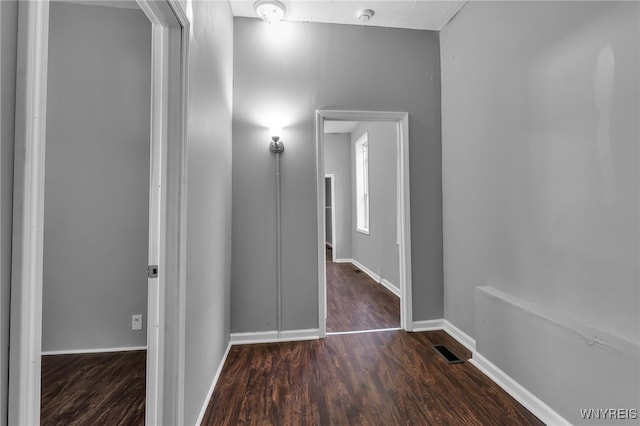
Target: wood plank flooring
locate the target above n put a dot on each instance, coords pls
(93, 389)
(356, 302)
(381, 378)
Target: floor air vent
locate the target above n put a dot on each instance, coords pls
(449, 356)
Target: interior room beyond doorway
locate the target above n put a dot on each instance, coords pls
(361, 226)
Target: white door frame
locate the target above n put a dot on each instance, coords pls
(165, 363)
(404, 223)
(332, 179)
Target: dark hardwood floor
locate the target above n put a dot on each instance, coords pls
(356, 302)
(93, 389)
(381, 378)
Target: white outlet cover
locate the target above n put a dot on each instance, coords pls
(136, 322)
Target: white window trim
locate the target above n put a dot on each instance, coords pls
(362, 141)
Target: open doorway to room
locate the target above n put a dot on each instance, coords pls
(96, 214)
(364, 223)
(102, 88)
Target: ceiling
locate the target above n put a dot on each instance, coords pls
(412, 14)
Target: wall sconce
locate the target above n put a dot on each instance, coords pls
(276, 145)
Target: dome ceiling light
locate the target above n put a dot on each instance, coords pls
(270, 10)
(365, 15)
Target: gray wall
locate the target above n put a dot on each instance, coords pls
(337, 161)
(378, 251)
(208, 198)
(285, 77)
(8, 36)
(540, 180)
(97, 177)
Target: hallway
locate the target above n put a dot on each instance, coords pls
(382, 378)
(356, 302)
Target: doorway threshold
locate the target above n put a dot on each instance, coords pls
(376, 330)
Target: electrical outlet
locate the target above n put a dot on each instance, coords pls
(136, 322)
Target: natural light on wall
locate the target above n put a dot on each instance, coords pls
(362, 184)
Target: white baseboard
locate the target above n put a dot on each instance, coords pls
(385, 283)
(375, 330)
(366, 270)
(391, 287)
(442, 324)
(213, 386)
(517, 391)
(462, 337)
(428, 325)
(94, 350)
(499, 377)
(274, 336)
(295, 335)
(254, 337)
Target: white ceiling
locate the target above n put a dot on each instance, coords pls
(413, 14)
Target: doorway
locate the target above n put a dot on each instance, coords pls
(359, 221)
(166, 200)
(96, 212)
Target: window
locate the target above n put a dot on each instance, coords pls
(362, 184)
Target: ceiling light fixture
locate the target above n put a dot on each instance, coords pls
(270, 10)
(365, 15)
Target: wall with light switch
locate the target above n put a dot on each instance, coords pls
(283, 73)
(97, 178)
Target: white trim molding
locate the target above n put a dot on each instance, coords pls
(250, 338)
(499, 377)
(428, 325)
(442, 324)
(382, 281)
(517, 391)
(28, 214)
(94, 350)
(297, 335)
(274, 336)
(401, 119)
(216, 377)
(390, 286)
(375, 330)
(462, 337)
(366, 270)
